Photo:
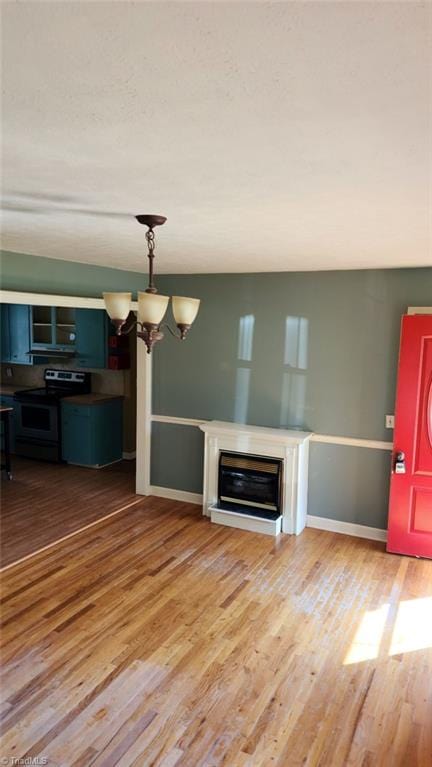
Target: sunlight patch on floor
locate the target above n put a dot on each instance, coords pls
(413, 626)
(367, 640)
(412, 631)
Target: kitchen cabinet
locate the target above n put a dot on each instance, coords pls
(8, 401)
(15, 334)
(77, 334)
(92, 434)
(4, 331)
(53, 328)
(82, 333)
(92, 330)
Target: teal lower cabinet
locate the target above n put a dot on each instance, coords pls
(92, 434)
(8, 401)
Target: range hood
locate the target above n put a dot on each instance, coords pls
(52, 353)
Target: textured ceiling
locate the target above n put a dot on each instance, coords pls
(273, 136)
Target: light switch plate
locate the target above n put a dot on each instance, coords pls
(389, 421)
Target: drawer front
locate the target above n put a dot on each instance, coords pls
(82, 411)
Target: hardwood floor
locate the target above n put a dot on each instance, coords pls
(47, 501)
(156, 638)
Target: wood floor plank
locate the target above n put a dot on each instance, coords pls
(159, 639)
(38, 509)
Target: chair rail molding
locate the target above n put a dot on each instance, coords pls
(330, 439)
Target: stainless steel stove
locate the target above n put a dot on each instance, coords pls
(37, 413)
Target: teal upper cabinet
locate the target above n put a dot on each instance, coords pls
(92, 329)
(5, 335)
(52, 328)
(63, 333)
(16, 334)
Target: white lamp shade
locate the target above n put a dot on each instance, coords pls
(117, 305)
(185, 309)
(152, 307)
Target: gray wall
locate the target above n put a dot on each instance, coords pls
(310, 349)
(316, 350)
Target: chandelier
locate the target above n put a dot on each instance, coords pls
(151, 305)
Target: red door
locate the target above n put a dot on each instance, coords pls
(410, 512)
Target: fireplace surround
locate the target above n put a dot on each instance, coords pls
(248, 449)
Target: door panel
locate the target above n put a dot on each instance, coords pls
(423, 429)
(410, 511)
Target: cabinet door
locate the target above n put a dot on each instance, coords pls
(91, 338)
(64, 328)
(93, 435)
(5, 334)
(19, 334)
(42, 327)
(77, 435)
(107, 419)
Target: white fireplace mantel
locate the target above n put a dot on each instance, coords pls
(290, 445)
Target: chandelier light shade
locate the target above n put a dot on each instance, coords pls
(117, 306)
(185, 309)
(151, 306)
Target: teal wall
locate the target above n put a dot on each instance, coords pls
(19, 271)
(316, 350)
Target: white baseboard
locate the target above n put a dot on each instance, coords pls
(176, 495)
(129, 456)
(319, 523)
(346, 528)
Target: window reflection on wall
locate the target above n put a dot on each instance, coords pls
(245, 340)
(293, 395)
(243, 375)
(241, 401)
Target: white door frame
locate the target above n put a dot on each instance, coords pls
(144, 374)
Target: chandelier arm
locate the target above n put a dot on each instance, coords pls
(182, 328)
(173, 332)
(126, 330)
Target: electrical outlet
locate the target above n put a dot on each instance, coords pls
(8, 372)
(389, 421)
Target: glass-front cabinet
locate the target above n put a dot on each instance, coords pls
(53, 327)
(34, 335)
(65, 328)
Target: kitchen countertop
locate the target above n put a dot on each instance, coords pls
(8, 390)
(91, 399)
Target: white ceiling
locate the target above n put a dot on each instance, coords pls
(273, 136)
